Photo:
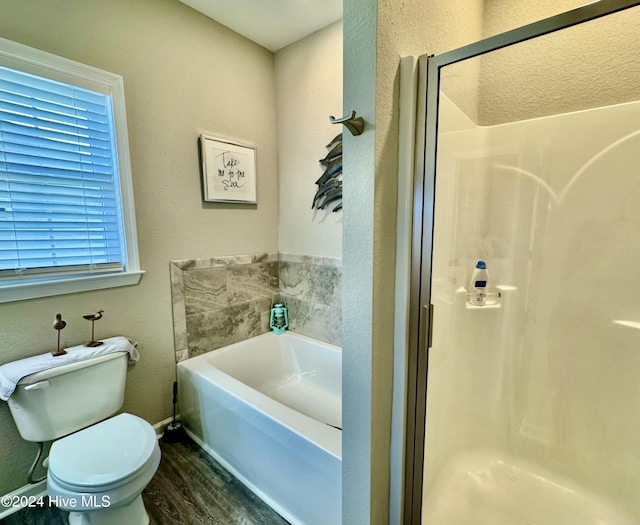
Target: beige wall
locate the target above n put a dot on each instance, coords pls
(183, 74)
(309, 89)
(589, 66)
(360, 422)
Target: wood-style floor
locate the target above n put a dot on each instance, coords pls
(189, 488)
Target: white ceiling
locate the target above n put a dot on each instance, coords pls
(273, 24)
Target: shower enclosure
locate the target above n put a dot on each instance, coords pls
(526, 410)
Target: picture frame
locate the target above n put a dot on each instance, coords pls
(228, 171)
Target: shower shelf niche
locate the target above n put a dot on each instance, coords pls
(495, 299)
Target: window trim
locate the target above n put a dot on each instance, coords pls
(40, 63)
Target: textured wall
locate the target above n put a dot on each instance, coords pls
(592, 65)
(183, 74)
(360, 423)
(309, 89)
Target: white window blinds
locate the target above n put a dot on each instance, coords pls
(60, 209)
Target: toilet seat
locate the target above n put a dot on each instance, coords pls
(104, 456)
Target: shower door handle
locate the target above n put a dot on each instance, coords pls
(427, 316)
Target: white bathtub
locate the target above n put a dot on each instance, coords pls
(269, 410)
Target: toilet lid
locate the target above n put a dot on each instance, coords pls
(103, 454)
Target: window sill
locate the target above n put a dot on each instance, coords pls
(32, 290)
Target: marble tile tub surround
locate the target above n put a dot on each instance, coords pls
(222, 300)
(311, 286)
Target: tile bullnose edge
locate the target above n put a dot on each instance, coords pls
(318, 260)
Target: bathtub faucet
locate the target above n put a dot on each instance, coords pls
(279, 320)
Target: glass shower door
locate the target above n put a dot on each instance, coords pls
(533, 391)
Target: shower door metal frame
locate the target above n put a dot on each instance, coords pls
(421, 311)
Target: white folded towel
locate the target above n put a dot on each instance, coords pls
(13, 372)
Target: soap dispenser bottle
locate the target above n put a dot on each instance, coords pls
(479, 284)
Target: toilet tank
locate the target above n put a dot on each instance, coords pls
(58, 401)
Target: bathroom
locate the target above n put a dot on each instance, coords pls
(186, 75)
(170, 101)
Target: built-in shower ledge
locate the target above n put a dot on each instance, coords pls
(495, 300)
(483, 307)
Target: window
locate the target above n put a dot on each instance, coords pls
(67, 222)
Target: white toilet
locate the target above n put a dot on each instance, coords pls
(99, 473)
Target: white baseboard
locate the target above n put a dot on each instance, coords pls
(30, 493)
(160, 426)
(23, 496)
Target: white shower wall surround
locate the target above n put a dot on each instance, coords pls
(222, 300)
(553, 205)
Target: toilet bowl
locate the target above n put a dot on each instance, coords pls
(99, 473)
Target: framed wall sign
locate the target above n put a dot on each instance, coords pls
(228, 171)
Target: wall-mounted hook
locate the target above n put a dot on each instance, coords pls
(354, 124)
